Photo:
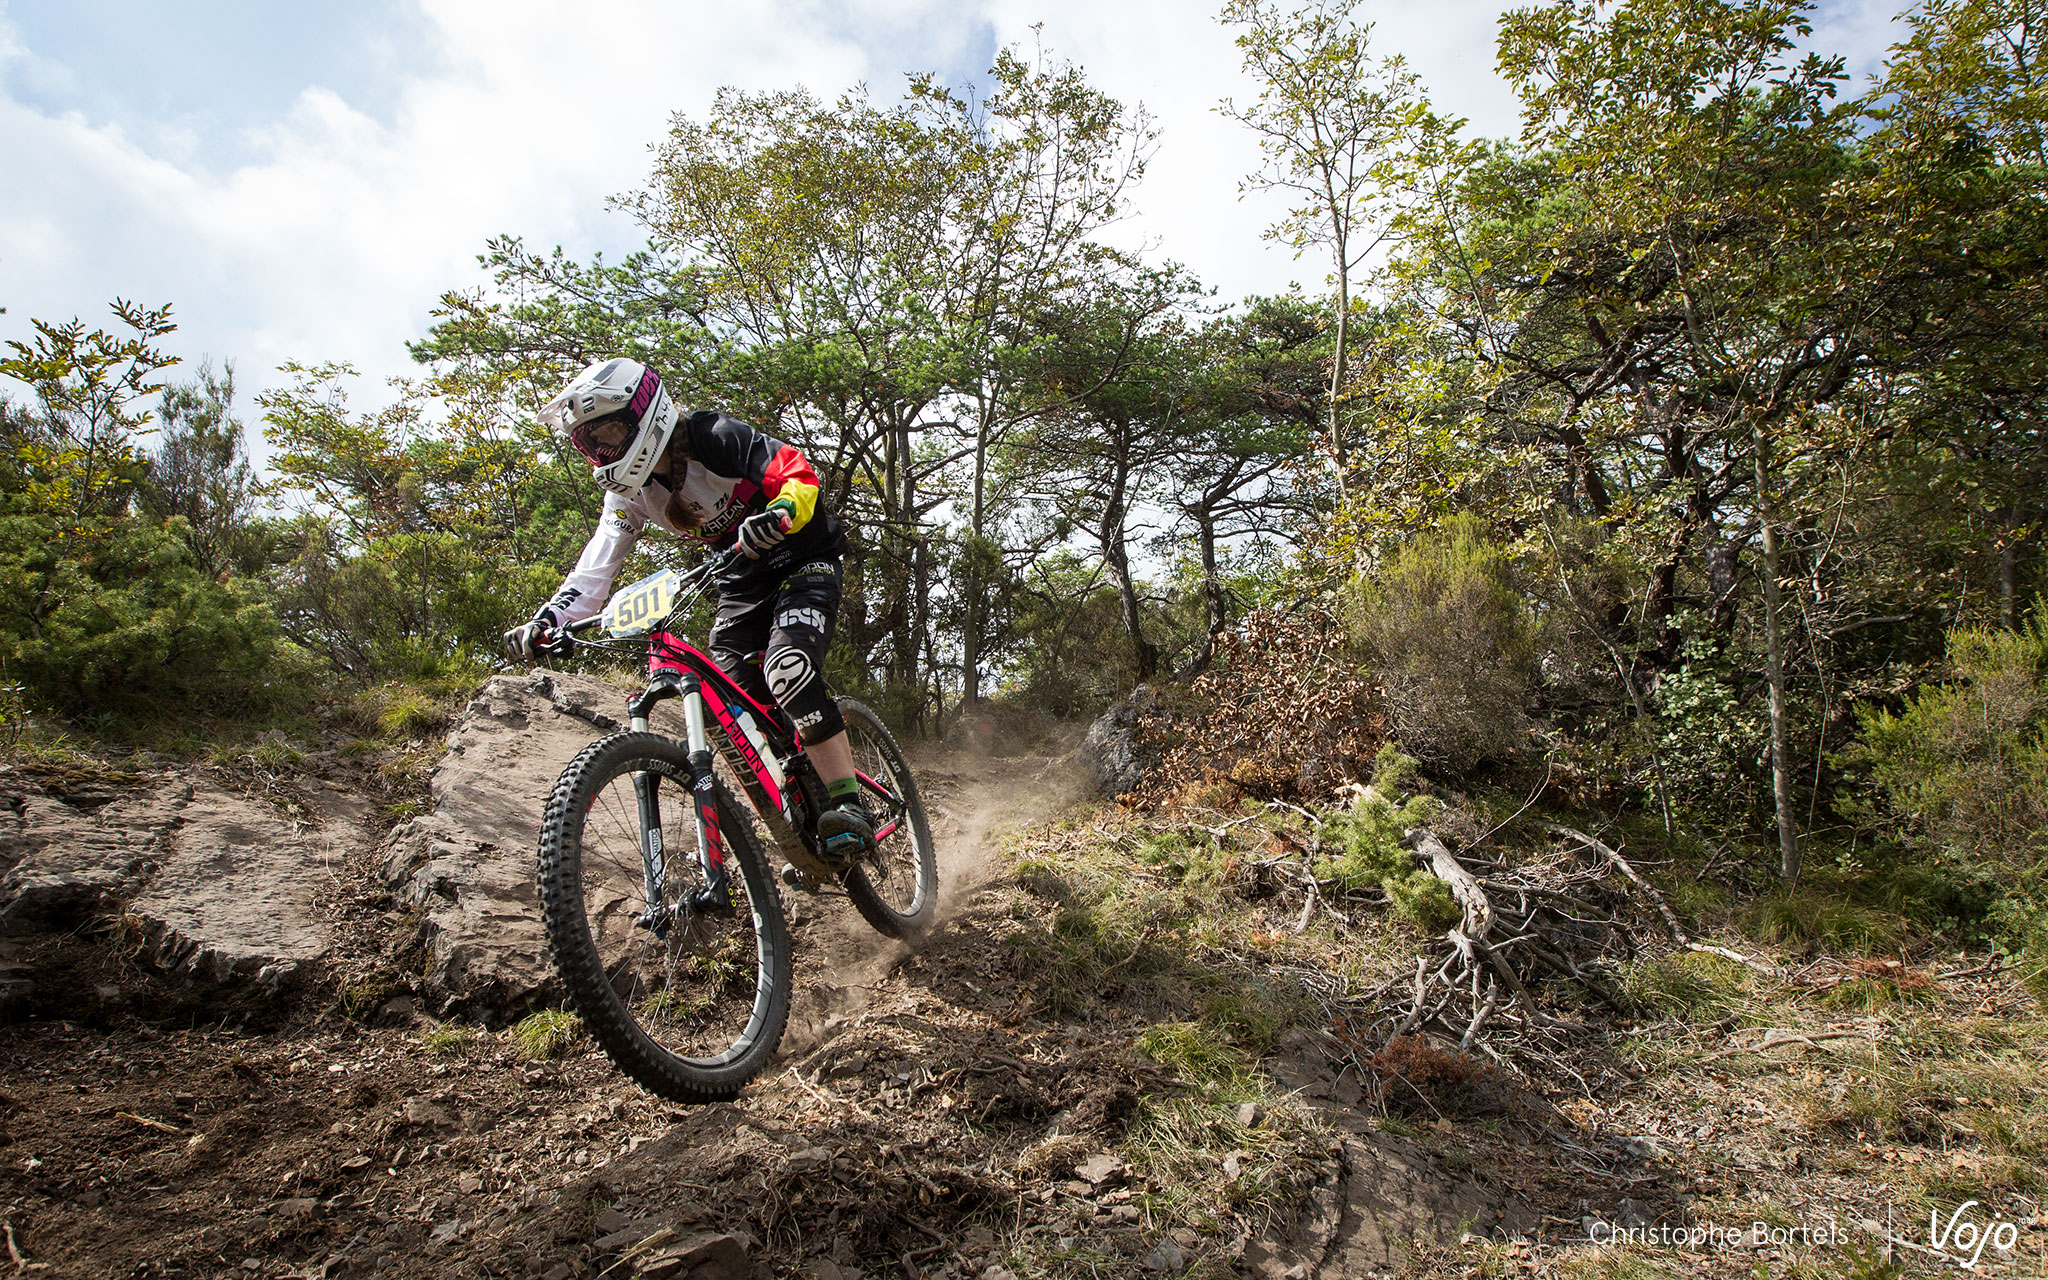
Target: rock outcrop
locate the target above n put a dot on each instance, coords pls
(467, 866)
(1116, 757)
(214, 883)
(222, 886)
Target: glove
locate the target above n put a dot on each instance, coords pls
(764, 531)
(535, 639)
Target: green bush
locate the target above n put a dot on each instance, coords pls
(1963, 768)
(113, 615)
(410, 606)
(1453, 643)
(1370, 853)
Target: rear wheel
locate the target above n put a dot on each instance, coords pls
(896, 887)
(686, 996)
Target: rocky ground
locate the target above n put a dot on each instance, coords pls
(252, 1032)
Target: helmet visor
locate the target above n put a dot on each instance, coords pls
(603, 441)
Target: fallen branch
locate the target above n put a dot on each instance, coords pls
(148, 1123)
(1478, 921)
(1621, 865)
(1778, 1039)
(1758, 965)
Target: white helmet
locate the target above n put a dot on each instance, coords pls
(622, 392)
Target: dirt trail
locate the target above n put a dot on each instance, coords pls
(332, 1138)
(971, 800)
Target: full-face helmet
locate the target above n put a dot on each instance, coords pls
(617, 416)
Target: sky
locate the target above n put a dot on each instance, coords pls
(301, 182)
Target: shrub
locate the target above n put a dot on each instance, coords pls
(1963, 767)
(1453, 643)
(113, 615)
(1370, 853)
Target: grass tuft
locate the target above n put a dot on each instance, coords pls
(1824, 920)
(551, 1033)
(451, 1040)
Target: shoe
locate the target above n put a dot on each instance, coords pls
(846, 832)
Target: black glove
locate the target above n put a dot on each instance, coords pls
(762, 532)
(539, 638)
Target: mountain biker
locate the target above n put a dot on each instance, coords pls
(716, 479)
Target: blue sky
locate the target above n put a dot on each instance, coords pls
(302, 181)
(190, 78)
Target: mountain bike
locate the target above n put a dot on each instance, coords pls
(662, 917)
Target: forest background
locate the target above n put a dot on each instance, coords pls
(1680, 456)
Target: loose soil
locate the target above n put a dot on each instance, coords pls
(942, 1115)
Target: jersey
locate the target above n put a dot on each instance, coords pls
(733, 472)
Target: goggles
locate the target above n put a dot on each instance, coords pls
(603, 441)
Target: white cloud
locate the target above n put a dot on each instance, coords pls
(333, 240)
(340, 223)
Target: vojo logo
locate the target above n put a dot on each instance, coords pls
(1960, 1236)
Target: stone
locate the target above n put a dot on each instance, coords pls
(431, 1114)
(1249, 1114)
(1115, 757)
(215, 885)
(467, 864)
(1166, 1258)
(702, 1256)
(67, 864)
(235, 893)
(1100, 1169)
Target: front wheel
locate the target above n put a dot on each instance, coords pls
(896, 886)
(686, 989)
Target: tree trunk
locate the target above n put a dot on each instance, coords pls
(975, 618)
(2009, 566)
(1337, 450)
(1774, 647)
(1117, 560)
(1213, 603)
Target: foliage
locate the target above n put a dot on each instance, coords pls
(102, 609)
(113, 616)
(1452, 643)
(1341, 133)
(200, 472)
(1963, 766)
(1369, 839)
(411, 558)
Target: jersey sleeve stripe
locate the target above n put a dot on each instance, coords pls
(790, 479)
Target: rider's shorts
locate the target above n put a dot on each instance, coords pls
(786, 624)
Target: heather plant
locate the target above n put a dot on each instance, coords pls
(1963, 766)
(1453, 644)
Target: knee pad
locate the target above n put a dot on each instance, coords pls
(799, 688)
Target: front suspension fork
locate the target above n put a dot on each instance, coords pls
(716, 894)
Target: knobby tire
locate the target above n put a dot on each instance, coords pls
(896, 889)
(701, 966)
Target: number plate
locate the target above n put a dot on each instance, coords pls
(636, 609)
